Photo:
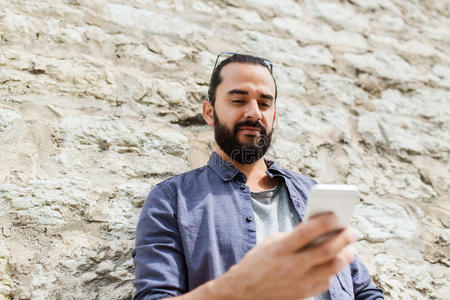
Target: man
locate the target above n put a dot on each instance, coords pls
(229, 230)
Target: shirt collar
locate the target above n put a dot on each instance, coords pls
(227, 171)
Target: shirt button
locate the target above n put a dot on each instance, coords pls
(243, 187)
(248, 219)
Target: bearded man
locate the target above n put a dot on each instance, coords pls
(233, 229)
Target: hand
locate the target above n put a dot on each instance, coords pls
(279, 268)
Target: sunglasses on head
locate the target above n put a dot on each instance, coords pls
(224, 55)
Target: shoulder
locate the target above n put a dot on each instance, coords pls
(171, 185)
(300, 184)
(305, 181)
(294, 181)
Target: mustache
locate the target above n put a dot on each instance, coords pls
(249, 123)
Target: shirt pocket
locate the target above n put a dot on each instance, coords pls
(345, 281)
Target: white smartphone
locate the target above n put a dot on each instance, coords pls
(339, 199)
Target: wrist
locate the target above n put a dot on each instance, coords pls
(225, 287)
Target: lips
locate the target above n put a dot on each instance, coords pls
(249, 130)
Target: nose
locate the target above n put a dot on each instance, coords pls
(252, 111)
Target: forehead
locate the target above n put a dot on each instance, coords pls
(241, 74)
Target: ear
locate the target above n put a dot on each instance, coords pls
(208, 113)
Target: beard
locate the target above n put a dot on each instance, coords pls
(243, 153)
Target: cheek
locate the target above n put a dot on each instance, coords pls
(270, 119)
(227, 120)
(230, 119)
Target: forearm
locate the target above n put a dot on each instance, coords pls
(205, 291)
(225, 287)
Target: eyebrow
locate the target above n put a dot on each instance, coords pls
(242, 92)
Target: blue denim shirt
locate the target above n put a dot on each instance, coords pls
(195, 226)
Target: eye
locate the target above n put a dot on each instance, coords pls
(237, 101)
(264, 104)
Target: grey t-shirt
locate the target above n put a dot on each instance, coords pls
(275, 212)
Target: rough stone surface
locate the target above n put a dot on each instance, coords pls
(100, 100)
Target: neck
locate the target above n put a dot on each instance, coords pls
(257, 179)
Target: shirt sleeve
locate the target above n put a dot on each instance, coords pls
(158, 256)
(363, 287)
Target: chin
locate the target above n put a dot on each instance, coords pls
(248, 139)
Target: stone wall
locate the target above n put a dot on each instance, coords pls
(100, 100)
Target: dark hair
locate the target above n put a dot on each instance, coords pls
(237, 58)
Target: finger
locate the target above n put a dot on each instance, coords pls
(316, 285)
(331, 268)
(308, 231)
(328, 250)
(321, 286)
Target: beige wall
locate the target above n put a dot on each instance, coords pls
(100, 100)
